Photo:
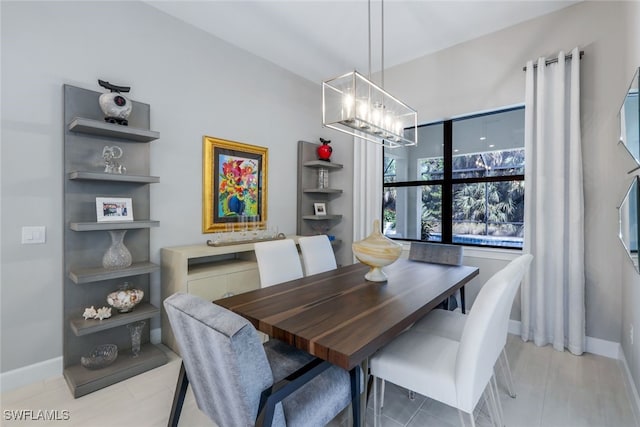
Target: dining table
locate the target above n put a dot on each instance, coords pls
(340, 317)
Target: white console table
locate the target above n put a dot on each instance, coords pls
(208, 272)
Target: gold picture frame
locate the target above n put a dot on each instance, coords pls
(234, 184)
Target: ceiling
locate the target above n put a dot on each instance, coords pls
(325, 38)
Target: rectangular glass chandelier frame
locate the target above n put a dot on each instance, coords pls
(354, 105)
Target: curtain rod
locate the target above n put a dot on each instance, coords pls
(553, 60)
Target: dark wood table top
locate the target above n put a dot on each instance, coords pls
(339, 316)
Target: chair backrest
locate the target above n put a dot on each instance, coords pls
(278, 261)
(436, 252)
(317, 254)
(485, 332)
(224, 359)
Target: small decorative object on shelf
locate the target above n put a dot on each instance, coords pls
(231, 241)
(117, 256)
(320, 209)
(115, 106)
(325, 150)
(323, 178)
(110, 155)
(125, 298)
(89, 313)
(376, 251)
(109, 209)
(99, 314)
(100, 357)
(135, 330)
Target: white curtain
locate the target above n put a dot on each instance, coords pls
(367, 187)
(553, 291)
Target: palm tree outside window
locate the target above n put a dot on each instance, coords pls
(464, 183)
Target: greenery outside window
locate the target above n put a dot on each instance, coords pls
(464, 183)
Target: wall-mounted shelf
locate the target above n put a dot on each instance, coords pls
(322, 164)
(83, 381)
(112, 225)
(111, 177)
(142, 311)
(323, 190)
(88, 275)
(321, 217)
(314, 186)
(102, 128)
(85, 136)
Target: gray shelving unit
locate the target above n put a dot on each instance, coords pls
(86, 283)
(310, 192)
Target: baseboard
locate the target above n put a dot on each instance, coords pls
(631, 387)
(44, 370)
(31, 374)
(604, 348)
(597, 346)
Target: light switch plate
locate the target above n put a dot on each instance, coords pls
(33, 234)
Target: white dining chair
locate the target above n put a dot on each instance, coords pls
(278, 261)
(450, 324)
(456, 373)
(317, 254)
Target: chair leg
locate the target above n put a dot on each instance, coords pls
(461, 418)
(178, 397)
(375, 402)
(491, 409)
(497, 419)
(498, 402)
(506, 369)
(412, 395)
(473, 421)
(382, 394)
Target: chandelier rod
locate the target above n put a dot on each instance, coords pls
(382, 42)
(369, 22)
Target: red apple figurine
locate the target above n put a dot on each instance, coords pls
(325, 150)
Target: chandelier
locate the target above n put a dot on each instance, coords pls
(353, 104)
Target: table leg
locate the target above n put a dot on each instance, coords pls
(358, 397)
(364, 395)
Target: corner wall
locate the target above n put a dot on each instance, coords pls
(486, 73)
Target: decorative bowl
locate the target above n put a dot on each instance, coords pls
(100, 357)
(124, 299)
(376, 251)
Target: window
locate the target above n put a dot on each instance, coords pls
(463, 183)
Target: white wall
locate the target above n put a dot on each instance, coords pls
(196, 85)
(486, 73)
(630, 278)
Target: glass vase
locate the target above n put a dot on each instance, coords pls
(135, 330)
(117, 256)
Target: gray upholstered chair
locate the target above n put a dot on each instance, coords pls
(440, 253)
(237, 381)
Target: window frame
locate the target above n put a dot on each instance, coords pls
(447, 183)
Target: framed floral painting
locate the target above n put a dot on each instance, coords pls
(234, 185)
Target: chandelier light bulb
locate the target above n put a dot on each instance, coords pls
(347, 107)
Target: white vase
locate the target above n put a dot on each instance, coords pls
(376, 251)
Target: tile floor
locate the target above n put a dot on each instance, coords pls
(554, 389)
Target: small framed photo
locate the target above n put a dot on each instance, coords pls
(114, 209)
(320, 208)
